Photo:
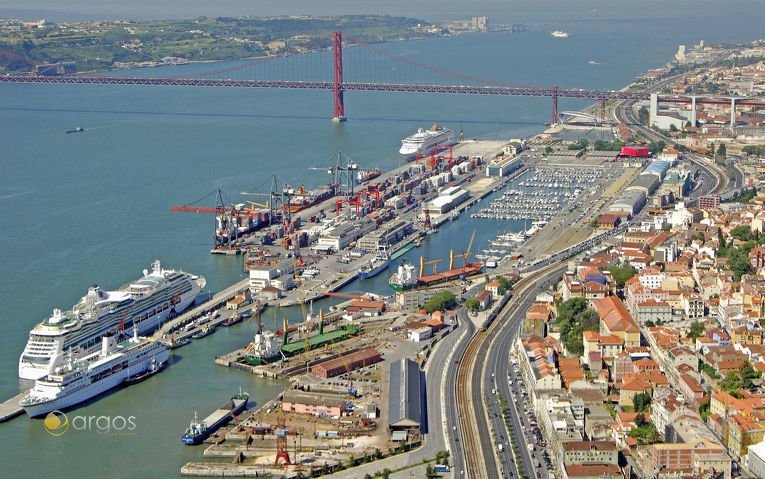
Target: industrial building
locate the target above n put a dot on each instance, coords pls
(277, 275)
(344, 364)
(386, 236)
(657, 167)
(342, 235)
(503, 166)
(314, 404)
(407, 408)
(647, 183)
(447, 199)
(629, 201)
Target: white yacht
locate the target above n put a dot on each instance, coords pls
(426, 140)
(144, 304)
(559, 34)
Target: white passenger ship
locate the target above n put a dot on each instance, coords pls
(146, 303)
(425, 141)
(87, 377)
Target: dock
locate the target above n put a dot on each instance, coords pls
(216, 302)
(10, 408)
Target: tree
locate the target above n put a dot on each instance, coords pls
(641, 401)
(672, 128)
(721, 239)
(430, 473)
(548, 150)
(722, 151)
(472, 305)
(640, 419)
(649, 324)
(441, 301)
(696, 330)
(622, 274)
(386, 473)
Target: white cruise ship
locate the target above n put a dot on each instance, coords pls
(146, 303)
(425, 140)
(87, 377)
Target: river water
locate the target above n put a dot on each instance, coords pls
(94, 207)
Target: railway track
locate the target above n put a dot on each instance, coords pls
(470, 398)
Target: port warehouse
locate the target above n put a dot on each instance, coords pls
(350, 362)
(389, 235)
(407, 413)
(503, 166)
(447, 200)
(633, 198)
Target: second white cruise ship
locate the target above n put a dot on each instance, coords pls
(146, 303)
(424, 141)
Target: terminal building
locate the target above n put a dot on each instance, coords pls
(447, 200)
(276, 276)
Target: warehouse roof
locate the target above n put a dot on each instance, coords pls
(407, 396)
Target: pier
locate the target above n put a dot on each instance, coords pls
(10, 408)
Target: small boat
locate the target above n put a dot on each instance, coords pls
(179, 343)
(79, 129)
(235, 318)
(153, 369)
(205, 331)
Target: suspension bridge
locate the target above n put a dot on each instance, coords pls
(338, 86)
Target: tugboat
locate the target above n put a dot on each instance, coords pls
(205, 331)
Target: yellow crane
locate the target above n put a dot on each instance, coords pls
(424, 263)
(464, 255)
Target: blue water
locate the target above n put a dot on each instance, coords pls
(94, 207)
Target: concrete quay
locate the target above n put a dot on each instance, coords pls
(10, 408)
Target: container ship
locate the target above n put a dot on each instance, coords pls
(143, 305)
(305, 199)
(426, 140)
(199, 431)
(87, 377)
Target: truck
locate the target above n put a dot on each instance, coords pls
(441, 468)
(501, 447)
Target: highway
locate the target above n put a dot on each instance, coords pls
(498, 372)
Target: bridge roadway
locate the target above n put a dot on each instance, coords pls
(552, 92)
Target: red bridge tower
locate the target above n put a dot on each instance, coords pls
(338, 90)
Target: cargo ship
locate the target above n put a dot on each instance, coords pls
(199, 431)
(404, 278)
(262, 350)
(303, 199)
(456, 273)
(376, 265)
